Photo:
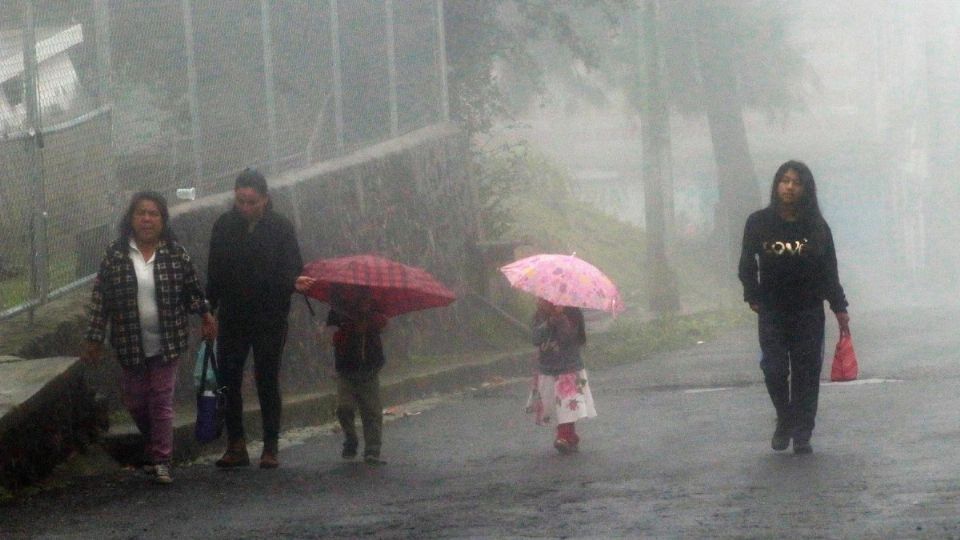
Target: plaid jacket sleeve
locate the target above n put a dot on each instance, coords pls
(193, 297)
(98, 309)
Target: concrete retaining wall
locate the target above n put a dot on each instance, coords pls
(47, 412)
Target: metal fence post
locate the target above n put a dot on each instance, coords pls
(442, 46)
(105, 86)
(271, 99)
(101, 13)
(192, 90)
(392, 68)
(337, 76)
(34, 143)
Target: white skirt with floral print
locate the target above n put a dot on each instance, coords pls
(560, 398)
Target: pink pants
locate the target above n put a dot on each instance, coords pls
(147, 392)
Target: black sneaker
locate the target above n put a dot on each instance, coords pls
(349, 451)
(802, 446)
(373, 460)
(781, 436)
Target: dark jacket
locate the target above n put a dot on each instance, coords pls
(559, 341)
(114, 302)
(357, 353)
(251, 274)
(789, 265)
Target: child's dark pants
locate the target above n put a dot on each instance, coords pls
(360, 392)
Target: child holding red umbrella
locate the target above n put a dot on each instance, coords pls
(363, 292)
(560, 391)
(358, 354)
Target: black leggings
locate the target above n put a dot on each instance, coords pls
(234, 342)
(792, 345)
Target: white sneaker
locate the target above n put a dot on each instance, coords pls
(163, 474)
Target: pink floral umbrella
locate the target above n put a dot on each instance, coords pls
(564, 280)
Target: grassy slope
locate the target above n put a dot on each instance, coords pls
(547, 217)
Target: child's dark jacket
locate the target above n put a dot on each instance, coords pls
(559, 340)
(357, 353)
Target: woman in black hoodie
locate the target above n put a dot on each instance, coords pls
(788, 267)
(253, 266)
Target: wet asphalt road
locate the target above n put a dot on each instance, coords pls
(680, 449)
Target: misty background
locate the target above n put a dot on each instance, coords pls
(867, 93)
(668, 115)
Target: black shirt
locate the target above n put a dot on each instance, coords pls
(789, 265)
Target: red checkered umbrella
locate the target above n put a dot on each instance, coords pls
(394, 288)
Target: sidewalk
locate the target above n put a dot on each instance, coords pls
(124, 443)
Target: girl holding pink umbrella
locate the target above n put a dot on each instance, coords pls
(560, 391)
(563, 284)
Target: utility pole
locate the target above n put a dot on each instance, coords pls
(192, 90)
(271, 99)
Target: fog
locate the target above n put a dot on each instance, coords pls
(866, 92)
(877, 119)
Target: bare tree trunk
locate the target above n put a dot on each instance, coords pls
(736, 178)
(655, 135)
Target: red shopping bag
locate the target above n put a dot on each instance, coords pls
(844, 361)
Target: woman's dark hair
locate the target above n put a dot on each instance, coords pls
(254, 179)
(126, 222)
(809, 206)
(251, 178)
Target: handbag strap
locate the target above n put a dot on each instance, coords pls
(207, 355)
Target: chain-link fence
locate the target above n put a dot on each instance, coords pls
(100, 98)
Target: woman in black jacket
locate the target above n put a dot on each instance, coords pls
(254, 262)
(788, 267)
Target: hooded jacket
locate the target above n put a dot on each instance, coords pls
(559, 341)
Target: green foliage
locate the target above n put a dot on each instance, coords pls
(15, 288)
(502, 54)
(528, 198)
(497, 173)
(535, 206)
(630, 341)
(771, 72)
(494, 65)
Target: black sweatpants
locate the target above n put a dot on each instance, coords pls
(792, 346)
(234, 342)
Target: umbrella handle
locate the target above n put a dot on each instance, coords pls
(309, 306)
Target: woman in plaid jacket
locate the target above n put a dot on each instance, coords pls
(143, 291)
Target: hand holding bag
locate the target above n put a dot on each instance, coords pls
(845, 366)
(210, 398)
